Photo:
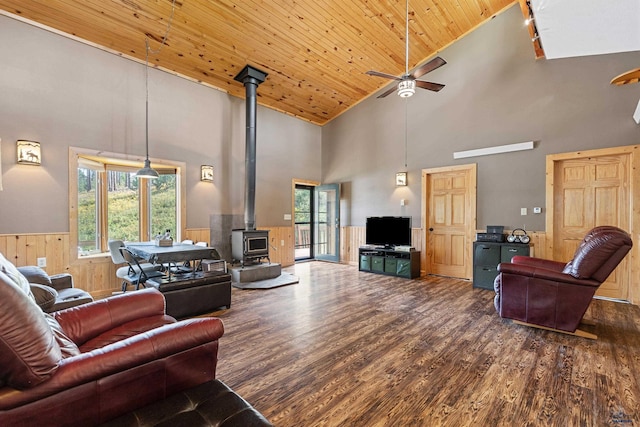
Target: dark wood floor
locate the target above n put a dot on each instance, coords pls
(346, 348)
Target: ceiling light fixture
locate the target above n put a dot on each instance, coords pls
(406, 88)
(147, 171)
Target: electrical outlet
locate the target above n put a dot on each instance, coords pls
(42, 262)
(282, 242)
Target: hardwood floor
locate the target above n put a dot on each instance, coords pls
(346, 348)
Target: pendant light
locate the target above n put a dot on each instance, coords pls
(147, 171)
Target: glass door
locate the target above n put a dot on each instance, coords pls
(326, 222)
(302, 221)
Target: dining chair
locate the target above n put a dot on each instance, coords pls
(124, 272)
(136, 274)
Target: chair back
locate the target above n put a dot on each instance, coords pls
(599, 253)
(134, 265)
(114, 250)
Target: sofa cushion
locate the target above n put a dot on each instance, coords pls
(29, 353)
(45, 296)
(16, 277)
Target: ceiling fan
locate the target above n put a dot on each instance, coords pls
(408, 81)
(631, 76)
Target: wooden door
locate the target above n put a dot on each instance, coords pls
(449, 220)
(590, 192)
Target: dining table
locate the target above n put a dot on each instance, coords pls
(178, 253)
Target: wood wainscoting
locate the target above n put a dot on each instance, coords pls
(97, 274)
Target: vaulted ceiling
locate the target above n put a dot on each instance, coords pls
(316, 52)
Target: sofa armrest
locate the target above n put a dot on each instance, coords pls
(136, 351)
(87, 321)
(542, 273)
(61, 281)
(538, 262)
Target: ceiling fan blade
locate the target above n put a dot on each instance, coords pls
(389, 92)
(384, 75)
(429, 86)
(436, 62)
(631, 76)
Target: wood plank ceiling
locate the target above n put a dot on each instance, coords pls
(316, 52)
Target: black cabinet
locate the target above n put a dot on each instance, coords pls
(487, 256)
(389, 262)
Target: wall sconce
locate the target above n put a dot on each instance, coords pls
(28, 153)
(206, 173)
(401, 179)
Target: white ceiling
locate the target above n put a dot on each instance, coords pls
(570, 28)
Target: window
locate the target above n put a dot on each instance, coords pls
(112, 203)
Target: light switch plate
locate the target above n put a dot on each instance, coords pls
(523, 211)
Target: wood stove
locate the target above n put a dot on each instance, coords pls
(249, 246)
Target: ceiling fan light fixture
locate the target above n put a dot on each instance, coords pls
(406, 88)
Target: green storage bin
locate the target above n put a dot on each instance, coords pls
(365, 262)
(390, 265)
(377, 264)
(403, 268)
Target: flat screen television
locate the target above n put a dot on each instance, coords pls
(388, 231)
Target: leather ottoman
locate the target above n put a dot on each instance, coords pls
(194, 293)
(209, 404)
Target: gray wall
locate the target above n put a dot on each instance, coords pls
(63, 93)
(496, 93)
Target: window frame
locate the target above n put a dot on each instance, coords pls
(123, 160)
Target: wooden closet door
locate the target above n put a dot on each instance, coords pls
(450, 198)
(589, 192)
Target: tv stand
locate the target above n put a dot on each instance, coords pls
(389, 262)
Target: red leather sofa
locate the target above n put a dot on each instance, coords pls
(555, 295)
(86, 365)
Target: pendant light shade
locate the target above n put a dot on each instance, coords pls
(147, 171)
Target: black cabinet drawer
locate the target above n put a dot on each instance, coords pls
(486, 254)
(483, 276)
(509, 251)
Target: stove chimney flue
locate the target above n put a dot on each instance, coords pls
(250, 77)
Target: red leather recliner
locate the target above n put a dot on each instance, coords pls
(88, 364)
(555, 295)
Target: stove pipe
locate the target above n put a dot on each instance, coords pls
(251, 78)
